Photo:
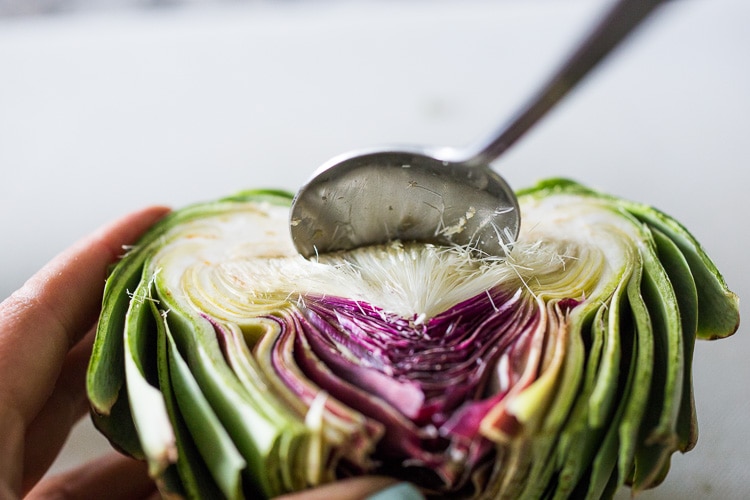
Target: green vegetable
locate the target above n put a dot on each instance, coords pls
(237, 368)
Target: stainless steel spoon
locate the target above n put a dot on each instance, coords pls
(443, 196)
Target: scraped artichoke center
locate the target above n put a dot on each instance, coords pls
(239, 369)
(435, 337)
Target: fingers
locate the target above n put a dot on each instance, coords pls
(39, 324)
(48, 432)
(117, 477)
(113, 477)
(42, 320)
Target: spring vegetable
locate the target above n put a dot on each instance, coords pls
(237, 368)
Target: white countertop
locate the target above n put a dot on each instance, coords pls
(104, 112)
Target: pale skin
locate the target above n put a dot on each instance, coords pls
(46, 335)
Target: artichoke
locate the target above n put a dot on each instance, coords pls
(237, 368)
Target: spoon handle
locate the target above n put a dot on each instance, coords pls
(616, 24)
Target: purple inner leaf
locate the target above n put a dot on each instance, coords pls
(426, 381)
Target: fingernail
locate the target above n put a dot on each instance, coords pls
(399, 491)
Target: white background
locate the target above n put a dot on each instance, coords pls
(104, 112)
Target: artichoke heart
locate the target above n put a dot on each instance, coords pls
(237, 368)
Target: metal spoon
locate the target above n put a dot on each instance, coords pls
(442, 196)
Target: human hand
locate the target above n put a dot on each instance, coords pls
(46, 335)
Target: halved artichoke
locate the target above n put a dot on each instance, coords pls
(237, 368)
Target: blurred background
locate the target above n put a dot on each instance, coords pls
(107, 106)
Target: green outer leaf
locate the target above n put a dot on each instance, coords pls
(191, 477)
(674, 421)
(253, 435)
(642, 368)
(146, 401)
(211, 439)
(106, 371)
(105, 374)
(686, 294)
(118, 427)
(604, 479)
(718, 307)
(658, 436)
(580, 438)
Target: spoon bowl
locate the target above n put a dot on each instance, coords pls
(374, 196)
(445, 197)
